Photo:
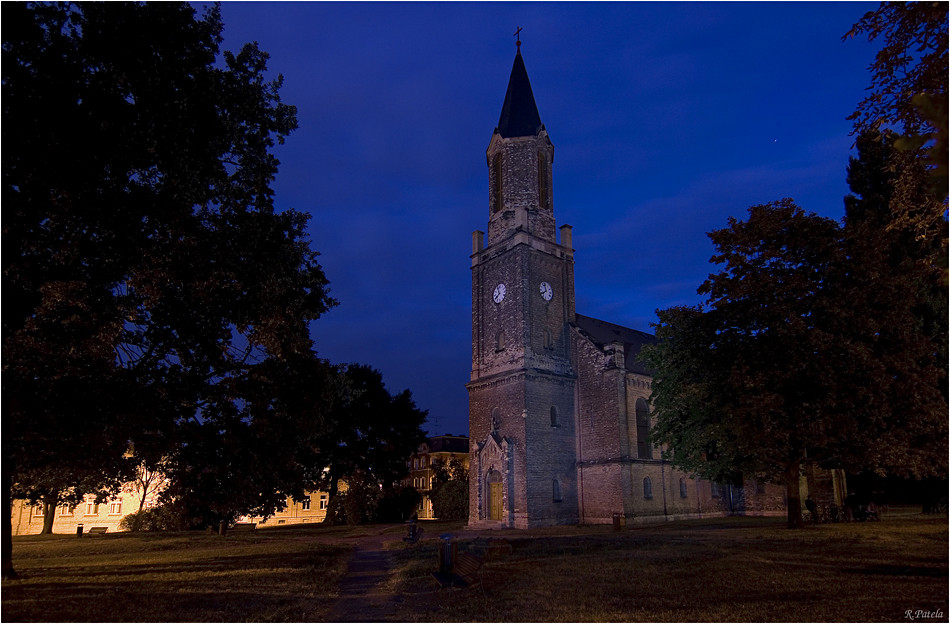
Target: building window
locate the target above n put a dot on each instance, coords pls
(715, 490)
(647, 488)
(115, 508)
(554, 419)
(644, 448)
(500, 340)
(682, 487)
(542, 180)
(66, 510)
(323, 502)
(548, 339)
(496, 177)
(92, 509)
(38, 510)
(305, 503)
(556, 487)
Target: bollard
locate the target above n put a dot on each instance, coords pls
(448, 548)
(79, 530)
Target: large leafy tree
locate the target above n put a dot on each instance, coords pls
(747, 383)
(373, 432)
(894, 306)
(153, 294)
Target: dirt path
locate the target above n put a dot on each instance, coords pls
(363, 593)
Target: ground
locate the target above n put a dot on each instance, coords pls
(726, 569)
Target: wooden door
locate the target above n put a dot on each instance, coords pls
(494, 501)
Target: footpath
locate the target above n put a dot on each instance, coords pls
(364, 592)
(364, 596)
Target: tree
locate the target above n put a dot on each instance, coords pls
(373, 432)
(897, 306)
(450, 490)
(746, 383)
(151, 284)
(908, 95)
(817, 344)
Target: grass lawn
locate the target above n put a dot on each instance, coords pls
(280, 574)
(727, 569)
(730, 569)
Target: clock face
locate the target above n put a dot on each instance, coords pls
(546, 291)
(499, 293)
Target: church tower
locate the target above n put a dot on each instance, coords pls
(521, 394)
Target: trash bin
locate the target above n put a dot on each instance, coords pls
(448, 549)
(79, 530)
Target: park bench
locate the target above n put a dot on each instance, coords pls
(244, 526)
(97, 530)
(413, 536)
(463, 574)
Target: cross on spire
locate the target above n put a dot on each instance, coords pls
(518, 35)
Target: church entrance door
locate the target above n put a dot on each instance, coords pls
(494, 496)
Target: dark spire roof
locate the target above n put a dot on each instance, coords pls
(519, 114)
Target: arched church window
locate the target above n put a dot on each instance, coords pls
(500, 340)
(556, 487)
(496, 179)
(542, 179)
(554, 418)
(682, 487)
(548, 339)
(647, 488)
(495, 419)
(644, 448)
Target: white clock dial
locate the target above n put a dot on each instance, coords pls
(499, 293)
(546, 291)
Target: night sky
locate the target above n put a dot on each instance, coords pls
(666, 119)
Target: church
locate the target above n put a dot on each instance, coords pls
(559, 414)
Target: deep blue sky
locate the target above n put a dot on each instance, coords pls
(667, 118)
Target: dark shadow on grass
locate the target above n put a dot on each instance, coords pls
(205, 588)
(901, 570)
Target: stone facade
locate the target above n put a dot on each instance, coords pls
(558, 403)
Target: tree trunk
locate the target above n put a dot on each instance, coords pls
(794, 496)
(331, 494)
(49, 513)
(8, 571)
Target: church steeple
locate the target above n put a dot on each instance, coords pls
(520, 156)
(519, 113)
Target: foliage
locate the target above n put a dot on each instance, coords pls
(361, 500)
(908, 93)
(248, 456)
(748, 382)
(450, 490)
(913, 61)
(153, 288)
(167, 517)
(817, 344)
(896, 306)
(397, 504)
(372, 432)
